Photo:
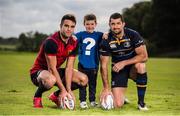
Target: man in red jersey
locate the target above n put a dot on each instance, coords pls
(46, 71)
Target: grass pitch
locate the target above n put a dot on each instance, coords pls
(16, 89)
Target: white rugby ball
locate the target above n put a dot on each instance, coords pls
(67, 103)
(107, 103)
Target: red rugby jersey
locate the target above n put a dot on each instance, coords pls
(62, 52)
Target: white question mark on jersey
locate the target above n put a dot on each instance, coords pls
(92, 42)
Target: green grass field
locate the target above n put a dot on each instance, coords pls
(7, 47)
(16, 89)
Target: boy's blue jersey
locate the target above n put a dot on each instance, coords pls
(89, 48)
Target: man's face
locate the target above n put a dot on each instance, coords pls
(116, 25)
(90, 25)
(67, 28)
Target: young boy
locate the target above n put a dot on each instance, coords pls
(89, 58)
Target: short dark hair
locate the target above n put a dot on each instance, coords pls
(68, 17)
(90, 17)
(116, 16)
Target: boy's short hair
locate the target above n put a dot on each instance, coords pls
(90, 17)
(68, 17)
(116, 16)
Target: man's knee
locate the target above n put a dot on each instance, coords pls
(84, 80)
(47, 79)
(140, 67)
(119, 104)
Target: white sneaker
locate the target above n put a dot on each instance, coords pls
(93, 104)
(83, 105)
(126, 101)
(142, 108)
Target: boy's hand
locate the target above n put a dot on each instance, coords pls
(105, 35)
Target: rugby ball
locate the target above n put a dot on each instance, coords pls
(67, 103)
(107, 103)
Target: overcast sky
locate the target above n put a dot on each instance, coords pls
(17, 16)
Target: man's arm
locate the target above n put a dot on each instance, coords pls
(69, 74)
(141, 56)
(51, 62)
(104, 60)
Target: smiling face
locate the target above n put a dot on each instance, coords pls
(90, 25)
(116, 25)
(67, 28)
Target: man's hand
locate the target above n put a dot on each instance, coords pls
(71, 95)
(63, 94)
(104, 94)
(118, 66)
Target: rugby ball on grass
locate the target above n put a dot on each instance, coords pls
(107, 103)
(67, 103)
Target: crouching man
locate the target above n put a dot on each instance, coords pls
(46, 71)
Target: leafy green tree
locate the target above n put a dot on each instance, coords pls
(30, 41)
(37, 40)
(166, 19)
(137, 16)
(158, 22)
(24, 43)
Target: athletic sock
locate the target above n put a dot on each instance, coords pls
(39, 91)
(56, 93)
(141, 83)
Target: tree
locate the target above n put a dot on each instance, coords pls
(137, 16)
(158, 22)
(37, 40)
(24, 43)
(30, 41)
(167, 26)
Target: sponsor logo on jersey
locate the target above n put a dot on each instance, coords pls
(113, 46)
(113, 83)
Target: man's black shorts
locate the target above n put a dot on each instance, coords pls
(62, 75)
(120, 79)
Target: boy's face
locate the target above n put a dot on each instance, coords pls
(90, 25)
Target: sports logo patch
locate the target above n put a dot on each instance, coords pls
(113, 83)
(127, 44)
(113, 46)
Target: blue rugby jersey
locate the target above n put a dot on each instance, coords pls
(89, 48)
(121, 49)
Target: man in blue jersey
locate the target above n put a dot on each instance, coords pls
(129, 54)
(89, 58)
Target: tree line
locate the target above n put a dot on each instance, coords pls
(157, 21)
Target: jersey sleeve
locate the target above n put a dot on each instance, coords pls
(100, 37)
(74, 52)
(78, 36)
(104, 49)
(74, 45)
(50, 47)
(137, 40)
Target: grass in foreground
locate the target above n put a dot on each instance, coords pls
(16, 89)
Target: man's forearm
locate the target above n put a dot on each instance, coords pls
(105, 80)
(58, 80)
(68, 74)
(104, 60)
(141, 56)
